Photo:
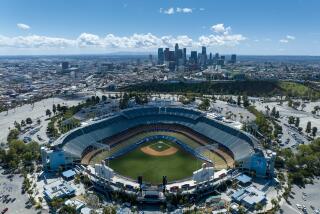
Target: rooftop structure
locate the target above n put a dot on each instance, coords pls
(249, 196)
(58, 189)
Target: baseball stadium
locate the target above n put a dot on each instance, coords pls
(153, 142)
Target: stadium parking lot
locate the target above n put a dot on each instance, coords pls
(10, 188)
(37, 111)
(308, 196)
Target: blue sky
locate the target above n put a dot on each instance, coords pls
(254, 27)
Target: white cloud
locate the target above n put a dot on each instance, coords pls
(168, 11)
(172, 10)
(23, 26)
(221, 37)
(287, 39)
(219, 28)
(221, 40)
(290, 37)
(184, 10)
(135, 42)
(35, 41)
(283, 40)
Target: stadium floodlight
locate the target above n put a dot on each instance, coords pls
(164, 183)
(140, 181)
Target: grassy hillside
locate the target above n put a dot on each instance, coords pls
(250, 88)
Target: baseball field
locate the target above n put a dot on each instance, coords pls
(155, 159)
(152, 160)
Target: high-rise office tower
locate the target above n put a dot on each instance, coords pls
(171, 55)
(233, 58)
(160, 56)
(210, 59)
(166, 54)
(176, 47)
(176, 50)
(221, 60)
(179, 57)
(204, 56)
(194, 57)
(184, 55)
(64, 65)
(216, 58)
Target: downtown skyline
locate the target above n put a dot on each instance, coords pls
(99, 27)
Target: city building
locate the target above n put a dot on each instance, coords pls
(249, 197)
(64, 65)
(58, 189)
(233, 58)
(160, 56)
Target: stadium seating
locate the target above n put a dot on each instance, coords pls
(126, 124)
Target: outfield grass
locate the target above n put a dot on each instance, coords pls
(152, 168)
(220, 163)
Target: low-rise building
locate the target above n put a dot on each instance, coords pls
(58, 189)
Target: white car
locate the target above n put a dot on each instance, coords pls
(299, 206)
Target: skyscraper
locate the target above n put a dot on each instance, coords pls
(194, 57)
(166, 54)
(184, 55)
(160, 56)
(204, 56)
(233, 58)
(64, 65)
(210, 59)
(176, 47)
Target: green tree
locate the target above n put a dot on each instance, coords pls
(17, 125)
(245, 101)
(66, 209)
(314, 131)
(29, 120)
(204, 105)
(23, 123)
(308, 128)
(239, 100)
(13, 135)
(48, 113)
(273, 111)
(291, 120)
(297, 122)
(123, 103)
(54, 109)
(109, 210)
(58, 107)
